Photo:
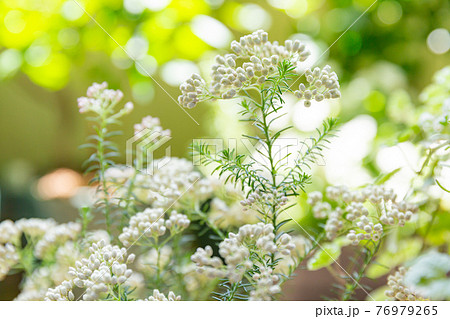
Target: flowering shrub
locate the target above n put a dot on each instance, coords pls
(178, 234)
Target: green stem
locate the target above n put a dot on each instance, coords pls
(427, 231)
(177, 261)
(158, 266)
(269, 143)
(27, 259)
(205, 219)
(103, 166)
(355, 282)
(232, 292)
(129, 200)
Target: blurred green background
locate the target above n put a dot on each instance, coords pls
(385, 53)
(51, 51)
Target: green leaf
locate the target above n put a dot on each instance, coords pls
(405, 136)
(325, 256)
(383, 178)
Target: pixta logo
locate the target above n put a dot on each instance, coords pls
(140, 150)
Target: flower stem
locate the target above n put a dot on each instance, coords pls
(103, 166)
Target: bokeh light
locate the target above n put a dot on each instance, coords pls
(389, 12)
(438, 41)
(176, 71)
(252, 17)
(10, 62)
(61, 183)
(14, 21)
(212, 31)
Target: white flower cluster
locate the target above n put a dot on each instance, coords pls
(150, 124)
(301, 247)
(266, 285)
(36, 285)
(174, 177)
(173, 181)
(30, 295)
(262, 235)
(213, 267)
(105, 267)
(320, 209)
(63, 292)
(119, 174)
(275, 198)
(235, 251)
(35, 227)
(48, 234)
(351, 211)
(367, 230)
(397, 288)
(8, 258)
(177, 222)
(56, 236)
(9, 232)
(334, 223)
(400, 214)
(159, 296)
(314, 197)
(102, 100)
(151, 223)
(254, 60)
(257, 44)
(323, 84)
(193, 90)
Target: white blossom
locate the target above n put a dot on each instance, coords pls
(35, 227)
(36, 285)
(152, 223)
(266, 285)
(119, 174)
(105, 267)
(398, 290)
(254, 60)
(159, 296)
(9, 232)
(321, 84)
(352, 211)
(236, 253)
(177, 222)
(288, 263)
(148, 223)
(172, 182)
(8, 258)
(150, 124)
(260, 199)
(56, 236)
(101, 100)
